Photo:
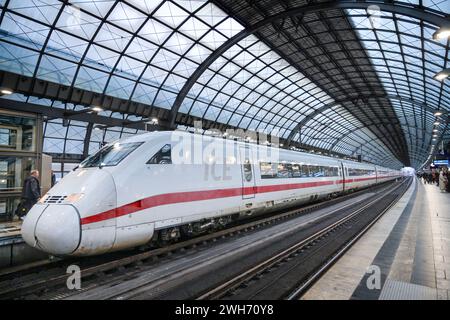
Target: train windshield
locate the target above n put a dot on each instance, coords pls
(110, 155)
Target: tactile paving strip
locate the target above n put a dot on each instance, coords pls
(398, 290)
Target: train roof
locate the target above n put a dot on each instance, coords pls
(161, 134)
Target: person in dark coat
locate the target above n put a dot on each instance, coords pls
(31, 193)
(448, 181)
(53, 179)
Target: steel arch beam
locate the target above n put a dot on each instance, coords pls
(357, 129)
(408, 10)
(326, 107)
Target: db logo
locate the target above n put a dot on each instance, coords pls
(74, 19)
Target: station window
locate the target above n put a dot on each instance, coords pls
(163, 156)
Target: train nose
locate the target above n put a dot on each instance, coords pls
(56, 230)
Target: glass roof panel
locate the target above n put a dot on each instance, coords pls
(146, 50)
(406, 67)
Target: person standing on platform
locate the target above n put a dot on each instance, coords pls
(31, 193)
(443, 179)
(448, 181)
(53, 179)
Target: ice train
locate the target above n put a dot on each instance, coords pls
(160, 186)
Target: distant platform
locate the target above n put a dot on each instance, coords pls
(409, 247)
(10, 229)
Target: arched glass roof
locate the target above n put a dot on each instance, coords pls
(406, 58)
(327, 78)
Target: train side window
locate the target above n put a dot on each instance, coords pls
(248, 174)
(268, 170)
(313, 171)
(296, 171)
(328, 172)
(304, 171)
(284, 170)
(163, 156)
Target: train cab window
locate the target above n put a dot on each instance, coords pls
(110, 155)
(248, 174)
(163, 156)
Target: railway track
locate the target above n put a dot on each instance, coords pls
(291, 279)
(49, 281)
(205, 272)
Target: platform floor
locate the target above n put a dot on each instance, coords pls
(10, 229)
(405, 255)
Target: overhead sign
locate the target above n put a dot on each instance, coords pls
(440, 162)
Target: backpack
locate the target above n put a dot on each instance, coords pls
(21, 210)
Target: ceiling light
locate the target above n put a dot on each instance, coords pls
(438, 113)
(442, 33)
(435, 130)
(154, 121)
(436, 123)
(6, 91)
(441, 76)
(97, 109)
(99, 127)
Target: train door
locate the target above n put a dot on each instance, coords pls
(376, 175)
(247, 173)
(343, 176)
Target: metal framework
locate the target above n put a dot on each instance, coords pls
(330, 75)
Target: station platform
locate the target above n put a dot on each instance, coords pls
(13, 250)
(405, 255)
(10, 229)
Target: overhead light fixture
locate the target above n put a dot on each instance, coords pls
(99, 127)
(435, 130)
(6, 92)
(438, 113)
(436, 123)
(155, 121)
(442, 33)
(97, 109)
(441, 76)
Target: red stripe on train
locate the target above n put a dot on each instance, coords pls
(180, 197)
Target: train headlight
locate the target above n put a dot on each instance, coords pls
(74, 197)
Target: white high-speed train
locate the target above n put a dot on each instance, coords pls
(160, 186)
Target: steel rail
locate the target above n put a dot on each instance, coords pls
(46, 282)
(235, 282)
